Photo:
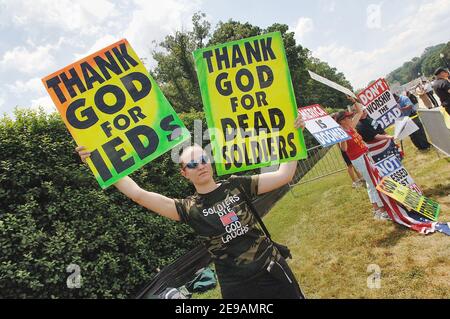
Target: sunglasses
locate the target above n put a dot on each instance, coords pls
(194, 164)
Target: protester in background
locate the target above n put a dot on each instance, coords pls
(380, 144)
(429, 90)
(419, 137)
(248, 264)
(357, 152)
(420, 91)
(413, 99)
(442, 87)
(357, 179)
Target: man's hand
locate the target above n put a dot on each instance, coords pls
(299, 122)
(352, 99)
(157, 203)
(83, 153)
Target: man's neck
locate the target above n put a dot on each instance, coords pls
(207, 187)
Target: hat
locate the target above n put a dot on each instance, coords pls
(342, 115)
(439, 70)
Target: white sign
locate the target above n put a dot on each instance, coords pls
(331, 84)
(404, 127)
(380, 103)
(324, 129)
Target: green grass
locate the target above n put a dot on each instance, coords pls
(333, 238)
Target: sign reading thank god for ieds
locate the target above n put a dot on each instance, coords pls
(249, 103)
(111, 105)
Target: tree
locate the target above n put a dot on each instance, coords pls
(426, 64)
(175, 71)
(176, 75)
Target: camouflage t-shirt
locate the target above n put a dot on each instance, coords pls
(230, 232)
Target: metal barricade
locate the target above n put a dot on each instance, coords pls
(321, 162)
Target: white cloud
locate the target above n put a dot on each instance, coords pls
(328, 5)
(149, 23)
(33, 86)
(83, 16)
(304, 26)
(45, 102)
(2, 101)
(98, 45)
(409, 39)
(154, 19)
(28, 61)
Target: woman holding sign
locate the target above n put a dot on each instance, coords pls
(357, 152)
(248, 264)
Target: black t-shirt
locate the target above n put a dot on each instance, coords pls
(367, 131)
(228, 229)
(413, 98)
(442, 87)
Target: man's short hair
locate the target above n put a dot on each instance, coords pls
(439, 70)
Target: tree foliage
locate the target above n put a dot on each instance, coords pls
(54, 214)
(425, 65)
(176, 72)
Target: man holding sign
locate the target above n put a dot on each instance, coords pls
(248, 264)
(109, 96)
(322, 126)
(419, 138)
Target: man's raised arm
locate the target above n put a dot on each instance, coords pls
(157, 203)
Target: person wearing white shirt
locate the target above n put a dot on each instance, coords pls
(429, 92)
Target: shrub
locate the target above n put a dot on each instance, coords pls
(54, 214)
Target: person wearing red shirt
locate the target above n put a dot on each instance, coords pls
(357, 152)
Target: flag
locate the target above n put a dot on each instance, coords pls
(229, 218)
(397, 213)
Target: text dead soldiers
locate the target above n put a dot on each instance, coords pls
(250, 137)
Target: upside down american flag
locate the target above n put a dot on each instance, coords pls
(398, 213)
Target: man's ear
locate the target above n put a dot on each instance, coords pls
(183, 173)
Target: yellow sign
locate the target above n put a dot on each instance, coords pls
(111, 105)
(411, 199)
(249, 103)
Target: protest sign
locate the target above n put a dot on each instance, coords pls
(404, 127)
(380, 103)
(392, 167)
(322, 126)
(331, 84)
(446, 116)
(249, 103)
(111, 105)
(402, 194)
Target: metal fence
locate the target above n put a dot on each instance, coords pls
(321, 162)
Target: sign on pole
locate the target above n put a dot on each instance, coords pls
(322, 126)
(331, 84)
(249, 103)
(380, 103)
(111, 105)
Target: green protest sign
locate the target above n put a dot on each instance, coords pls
(249, 103)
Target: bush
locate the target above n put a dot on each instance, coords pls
(54, 214)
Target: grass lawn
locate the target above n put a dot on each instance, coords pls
(333, 238)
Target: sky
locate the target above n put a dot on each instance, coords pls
(363, 39)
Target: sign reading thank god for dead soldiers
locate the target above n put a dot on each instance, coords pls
(249, 103)
(111, 105)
